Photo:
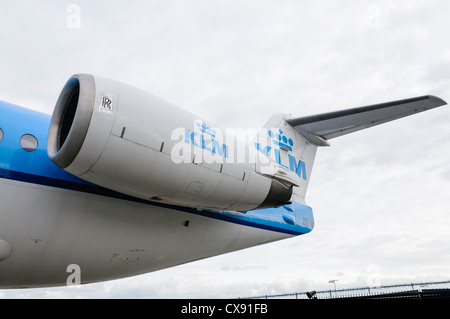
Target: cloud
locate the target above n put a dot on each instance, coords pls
(379, 195)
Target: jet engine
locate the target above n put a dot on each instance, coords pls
(122, 138)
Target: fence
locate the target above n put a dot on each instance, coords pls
(438, 289)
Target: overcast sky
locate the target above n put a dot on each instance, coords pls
(380, 196)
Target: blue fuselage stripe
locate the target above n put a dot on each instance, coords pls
(92, 189)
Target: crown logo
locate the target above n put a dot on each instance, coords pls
(205, 129)
(282, 141)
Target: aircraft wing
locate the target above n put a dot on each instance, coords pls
(322, 127)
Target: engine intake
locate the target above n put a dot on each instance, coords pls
(71, 119)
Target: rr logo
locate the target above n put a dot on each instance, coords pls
(106, 103)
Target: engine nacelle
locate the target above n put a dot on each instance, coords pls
(120, 137)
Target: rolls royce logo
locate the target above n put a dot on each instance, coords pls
(106, 102)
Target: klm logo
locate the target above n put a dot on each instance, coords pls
(283, 143)
(204, 144)
(205, 138)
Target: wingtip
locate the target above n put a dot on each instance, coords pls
(437, 100)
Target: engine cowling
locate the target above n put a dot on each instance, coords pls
(120, 137)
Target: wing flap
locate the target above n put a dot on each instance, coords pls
(330, 125)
